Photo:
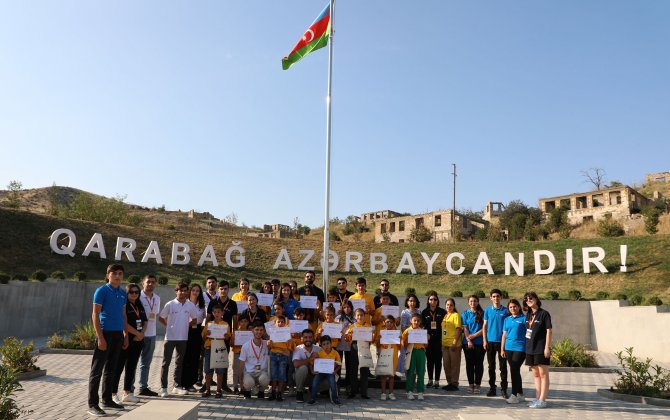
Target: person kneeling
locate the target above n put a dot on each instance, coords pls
(322, 368)
(253, 369)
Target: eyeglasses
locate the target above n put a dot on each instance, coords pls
(134, 292)
(341, 282)
(530, 298)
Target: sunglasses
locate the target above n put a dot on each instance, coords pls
(134, 292)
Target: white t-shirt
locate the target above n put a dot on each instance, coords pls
(253, 356)
(300, 353)
(151, 306)
(178, 315)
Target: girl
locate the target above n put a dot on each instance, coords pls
(311, 314)
(538, 340)
(294, 289)
(329, 318)
(242, 325)
(361, 383)
(417, 364)
(451, 345)
(287, 301)
(514, 347)
(432, 321)
(189, 374)
(244, 291)
(344, 348)
(267, 289)
(389, 324)
(411, 308)
(473, 344)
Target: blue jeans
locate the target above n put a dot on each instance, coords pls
(145, 360)
(331, 383)
(278, 366)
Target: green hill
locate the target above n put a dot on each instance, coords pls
(24, 241)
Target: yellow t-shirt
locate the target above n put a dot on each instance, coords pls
(236, 349)
(350, 330)
(281, 346)
(450, 323)
(238, 297)
(208, 341)
(369, 303)
(403, 339)
(332, 355)
(319, 332)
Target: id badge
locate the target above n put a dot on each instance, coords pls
(139, 325)
(528, 333)
(152, 315)
(257, 368)
(433, 325)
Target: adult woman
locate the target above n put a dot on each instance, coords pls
(538, 340)
(253, 312)
(189, 374)
(135, 326)
(451, 345)
(432, 321)
(514, 347)
(411, 307)
(473, 343)
(244, 291)
(294, 289)
(286, 299)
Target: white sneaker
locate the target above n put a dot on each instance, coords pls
(392, 396)
(513, 399)
(520, 397)
(383, 397)
(410, 396)
(420, 396)
(163, 393)
(540, 404)
(130, 397)
(532, 403)
(116, 398)
(179, 391)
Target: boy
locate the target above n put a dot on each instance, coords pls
(217, 311)
(359, 315)
(242, 325)
(280, 357)
(326, 352)
(361, 293)
(494, 317)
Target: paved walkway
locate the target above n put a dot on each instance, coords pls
(62, 395)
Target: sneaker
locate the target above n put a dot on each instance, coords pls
(520, 397)
(504, 394)
(116, 398)
(191, 389)
(113, 405)
(429, 384)
(513, 400)
(146, 392)
(280, 397)
(420, 396)
(163, 393)
(477, 389)
(199, 384)
(236, 391)
(218, 394)
(311, 402)
(291, 392)
(392, 396)
(436, 385)
(540, 404)
(227, 389)
(299, 397)
(206, 394)
(491, 393)
(337, 402)
(532, 403)
(410, 396)
(272, 396)
(130, 397)
(96, 411)
(179, 391)
(247, 395)
(383, 397)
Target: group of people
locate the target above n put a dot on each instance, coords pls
(275, 348)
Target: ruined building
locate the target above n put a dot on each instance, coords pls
(399, 228)
(371, 217)
(273, 231)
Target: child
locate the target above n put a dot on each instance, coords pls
(417, 364)
(359, 315)
(326, 352)
(330, 318)
(412, 307)
(344, 348)
(217, 311)
(331, 297)
(280, 357)
(361, 293)
(311, 314)
(389, 324)
(242, 325)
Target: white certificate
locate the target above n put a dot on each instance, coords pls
(417, 337)
(389, 337)
(217, 330)
(265, 299)
(280, 334)
(269, 326)
(242, 337)
(358, 303)
(297, 325)
(324, 365)
(308, 302)
(241, 306)
(362, 334)
(332, 329)
(390, 310)
(336, 305)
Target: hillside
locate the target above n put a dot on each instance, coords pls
(24, 240)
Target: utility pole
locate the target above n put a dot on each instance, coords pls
(453, 209)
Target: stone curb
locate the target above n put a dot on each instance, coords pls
(24, 376)
(584, 369)
(633, 398)
(66, 351)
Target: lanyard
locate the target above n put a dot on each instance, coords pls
(253, 348)
(151, 303)
(135, 309)
(339, 296)
(251, 320)
(432, 314)
(532, 319)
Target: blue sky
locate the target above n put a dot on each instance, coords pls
(185, 103)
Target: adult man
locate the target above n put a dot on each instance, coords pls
(302, 357)
(494, 317)
(310, 276)
(176, 316)
(229, 313)
(210, 290)
(342, 293)
(152, 306)
(384, 287)
(109, 321)
(254, 366)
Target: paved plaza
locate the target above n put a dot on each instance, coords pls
(62, 395)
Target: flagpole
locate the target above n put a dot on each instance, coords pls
(326, 223)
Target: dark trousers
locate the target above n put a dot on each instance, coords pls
(434, 361)
(168, 348)
(474, 363)
(189, 375)
(104, 360)
(493, 350)
(360, 383)
(515, 360)
(128, 359)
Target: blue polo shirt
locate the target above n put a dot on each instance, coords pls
(515, 330)
(112, 300)
(468, 319)
(494, 322)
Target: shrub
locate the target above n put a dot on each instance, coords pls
(636, 300)
(602, 295)
(639, 377)
(17, 357)
(651, 219)
(233, 284)
(186, 280)
(162, 280)
(79, 275)
(134, 278)
(480, 294)
(410, 291)
(552, 295)
(420, 234)
(456, 293)
(21, 277)
(39, 275)
(58, 275)
(256, 286)
(4, 278)
(428, 292)
(505, 294)
(9, 384)
(609, 228)
(82, 338)
(566, 353)
(575, 295)
(621, 296)
(378, 291)
(655, 301)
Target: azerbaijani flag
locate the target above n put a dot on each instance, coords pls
(314, 38)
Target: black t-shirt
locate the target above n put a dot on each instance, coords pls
(378, 300)
(538, 338)
(315, 292)
(135, 316)
(434, 335)
(259, 316)
(343, 297)
(229, 310)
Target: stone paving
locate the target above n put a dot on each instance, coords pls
(62, 395)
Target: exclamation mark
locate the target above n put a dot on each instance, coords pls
(623, 251)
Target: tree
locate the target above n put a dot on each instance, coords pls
(595, 176)
(420, 234)
(14, 196)
(651, 217)
(518, 218)
(54, 200)
(231, 220)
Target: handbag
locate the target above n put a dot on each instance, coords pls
(218, 355)
(364, 354)
(385, 363)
